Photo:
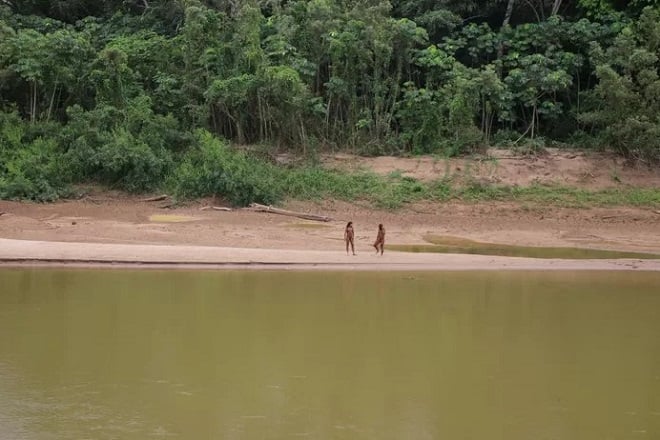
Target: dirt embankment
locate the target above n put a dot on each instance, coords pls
(114, 218)
(588, 170)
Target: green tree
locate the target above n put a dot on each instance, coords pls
(626, 102)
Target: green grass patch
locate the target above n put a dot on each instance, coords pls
(394, 191)
(388, 192)
(561, 195)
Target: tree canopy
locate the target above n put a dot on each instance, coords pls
(119, 89)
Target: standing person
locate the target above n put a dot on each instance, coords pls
(380, 240)
(349, 237)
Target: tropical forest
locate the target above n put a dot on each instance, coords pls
(199, 97)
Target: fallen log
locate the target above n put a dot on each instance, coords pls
(155, 199)
(263, 208)
(215, 208)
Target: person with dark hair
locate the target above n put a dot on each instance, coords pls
(349, 237)
(380, 240)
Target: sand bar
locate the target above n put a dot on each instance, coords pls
(38, 253)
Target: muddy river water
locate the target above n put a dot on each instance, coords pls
(119, 354)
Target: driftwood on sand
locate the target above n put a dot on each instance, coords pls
(263, 208)
(215, 208)
(155, 199)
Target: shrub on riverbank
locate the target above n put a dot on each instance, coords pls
(41, 161)
(211, 167)
(30, 166)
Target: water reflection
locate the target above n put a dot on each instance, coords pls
(456, 245)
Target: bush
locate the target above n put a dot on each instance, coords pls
(33, 172)
(467, 140)
(29, 168)
(124, 148)
(210, 167)
(128, 163)
(637, 138)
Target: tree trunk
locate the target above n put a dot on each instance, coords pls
(33, 102)
(555, 7)
(505, 23)
(52, 101)
(10, 4)
(263, 208)
(533, 8)
(508, 13)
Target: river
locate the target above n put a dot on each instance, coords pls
(516, 355)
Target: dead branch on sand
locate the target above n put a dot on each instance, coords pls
(215, 208)
(155, 199)
(263, 208)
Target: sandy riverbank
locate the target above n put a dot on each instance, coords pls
(106, 227)
(42, 253)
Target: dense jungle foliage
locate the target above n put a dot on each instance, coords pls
(142, 94)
